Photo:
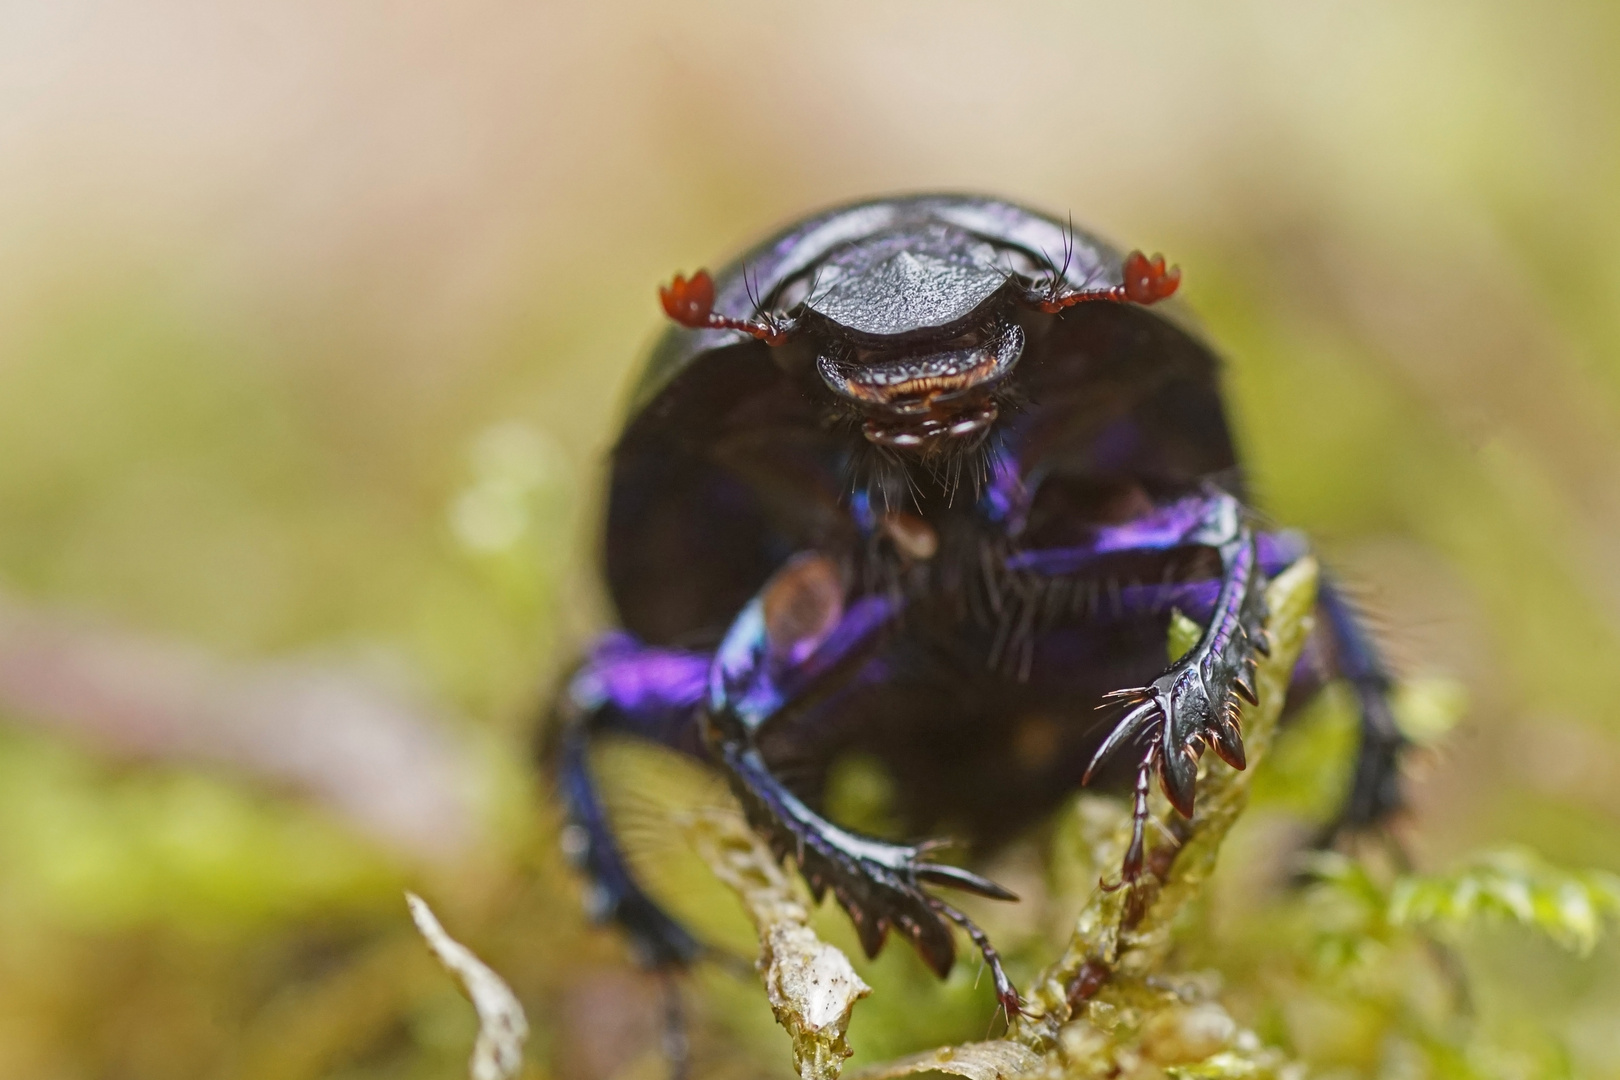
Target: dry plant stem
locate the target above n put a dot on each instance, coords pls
(997, 1059)
(502, 1027)
(811, 986)
(1125, 934)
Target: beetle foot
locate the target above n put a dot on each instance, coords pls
(879, 884)
(881, 887)
(1192, 705)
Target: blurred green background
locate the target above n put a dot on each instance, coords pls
(315, 321)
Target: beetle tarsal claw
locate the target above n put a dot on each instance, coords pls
(957, 878)
(1006, 994)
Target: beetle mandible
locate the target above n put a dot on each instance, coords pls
(923, 478)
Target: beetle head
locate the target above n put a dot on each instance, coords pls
(914, 335)
(913, 327)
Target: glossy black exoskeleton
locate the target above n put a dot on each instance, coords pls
(924, 478)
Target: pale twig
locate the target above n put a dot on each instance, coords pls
(502, 1027)
(811, 986)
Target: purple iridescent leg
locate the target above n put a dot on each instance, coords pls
(648, 693)
(1349, 653)
(1375, 791)
(1194, 703)
(793, 647)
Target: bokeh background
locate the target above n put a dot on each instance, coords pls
(316, 320)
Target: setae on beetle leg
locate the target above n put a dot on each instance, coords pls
(792, 648)
(652, 694)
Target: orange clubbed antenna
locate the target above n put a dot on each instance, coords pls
(690, 302)
(1147, 281)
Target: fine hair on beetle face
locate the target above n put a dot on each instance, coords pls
(953, 468)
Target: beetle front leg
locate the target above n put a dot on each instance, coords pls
(793, 648)
(1194, 703)
(1350, 652)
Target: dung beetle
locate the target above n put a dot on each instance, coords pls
(923, 479)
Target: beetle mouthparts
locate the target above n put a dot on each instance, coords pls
(923, 384)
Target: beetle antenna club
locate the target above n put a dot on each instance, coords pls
(690, 302)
